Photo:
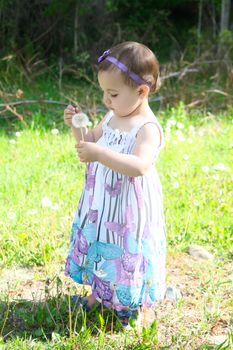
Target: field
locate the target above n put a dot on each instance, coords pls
(40, 183)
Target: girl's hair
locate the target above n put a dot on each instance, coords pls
(139, 59)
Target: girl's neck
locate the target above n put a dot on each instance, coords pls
(142, 108)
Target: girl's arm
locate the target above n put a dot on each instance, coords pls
(136, 164)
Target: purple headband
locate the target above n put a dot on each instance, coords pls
(122, 67)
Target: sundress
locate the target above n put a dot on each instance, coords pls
(118, 244)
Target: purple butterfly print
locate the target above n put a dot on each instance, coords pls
(90, 181)
(102, 289)
(138, 190)
(144, 265)
(122, 229)
(114, 191)
(129, 261)
(93, 215)
(67, 267)
(81, 244)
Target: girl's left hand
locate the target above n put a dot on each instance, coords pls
(87, 151)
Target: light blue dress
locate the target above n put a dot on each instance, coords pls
(118, 244)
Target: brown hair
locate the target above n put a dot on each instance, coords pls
(139, 59)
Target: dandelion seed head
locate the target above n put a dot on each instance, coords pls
(216, 177)
(11, 215)
(32, 212)
(205, 168)
(176, 184)
(191, 128)
(55, 131)
(80, 120)
(180, 125)
(220, 167)
(171, 121)
(46, 202)
(55, 206)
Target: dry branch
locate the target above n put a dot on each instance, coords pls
(26, 102)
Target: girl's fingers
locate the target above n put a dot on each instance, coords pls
(71, 108)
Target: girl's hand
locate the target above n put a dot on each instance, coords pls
(68, 114)
(88, 151)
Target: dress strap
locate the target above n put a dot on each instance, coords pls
(136, 129)
(108, 117)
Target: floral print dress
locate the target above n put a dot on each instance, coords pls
(117, 245)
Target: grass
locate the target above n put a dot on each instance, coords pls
(40, 183)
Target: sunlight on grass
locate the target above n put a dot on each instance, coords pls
(40, 183)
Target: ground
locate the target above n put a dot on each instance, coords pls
(203, 315)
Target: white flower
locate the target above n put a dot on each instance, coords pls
(196, 203)
(174, 174)
(180, 125)
(80, 120)
(205, 168)
(220, 166)
(18, 134)
(190, 140)
(12, 142)
(201, 133)
(191, 128)
(179, 133)
(216, 177)
(176, 184)
(181, 138)
(185, 156)
(32, 212)
(46, 202)
(171, 121)
(55, 131)
(11, 215)
(55, 206)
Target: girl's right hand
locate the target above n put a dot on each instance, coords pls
(68, 114)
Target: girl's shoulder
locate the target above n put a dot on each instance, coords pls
(151, 125)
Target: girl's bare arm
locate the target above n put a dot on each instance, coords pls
(136, 164)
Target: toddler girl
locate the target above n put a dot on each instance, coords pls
(117, 243)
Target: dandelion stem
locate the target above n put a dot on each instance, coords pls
(82, 138)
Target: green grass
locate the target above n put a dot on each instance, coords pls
(40, 183)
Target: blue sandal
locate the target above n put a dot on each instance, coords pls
(124, 316)
(80, 302)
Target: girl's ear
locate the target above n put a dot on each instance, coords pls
(143, 90)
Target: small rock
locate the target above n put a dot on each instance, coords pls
(199, 252)
(218, 340)
(172, 293)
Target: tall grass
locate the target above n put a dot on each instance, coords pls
(40, 183)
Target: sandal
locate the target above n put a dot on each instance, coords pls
(124, 316)
(80, 302)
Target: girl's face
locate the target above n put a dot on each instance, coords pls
(118, 97)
